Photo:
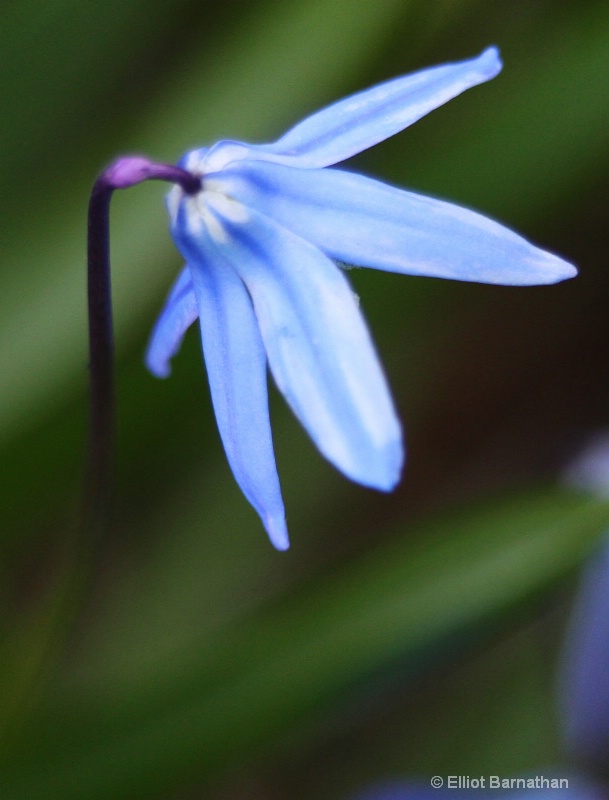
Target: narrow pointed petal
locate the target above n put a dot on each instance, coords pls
(178, 314)
(367, 118)
(319, 349)
(236, 369)
(585, 675)
(367, 223)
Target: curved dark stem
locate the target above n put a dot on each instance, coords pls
(123, 173)
(97, 499)
(52, 623)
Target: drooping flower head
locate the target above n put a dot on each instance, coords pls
(261, 242)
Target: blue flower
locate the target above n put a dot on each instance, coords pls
(584, 685)
(261, 241)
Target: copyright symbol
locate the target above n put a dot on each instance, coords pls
(437, 781)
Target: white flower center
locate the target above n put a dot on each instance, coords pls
(210, 207)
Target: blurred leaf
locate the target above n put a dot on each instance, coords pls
(492, 713)
(57, 60)
(288, 663)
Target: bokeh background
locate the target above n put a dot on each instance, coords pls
(406, 635)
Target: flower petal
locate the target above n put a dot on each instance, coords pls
(585, 674)
(367, 118)
(412, 790)
(178, 314)
(319, 349)
(525, 787)
(236, 369)
(367, 223)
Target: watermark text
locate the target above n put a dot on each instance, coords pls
(498, 782)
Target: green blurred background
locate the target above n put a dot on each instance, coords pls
(405, 635)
